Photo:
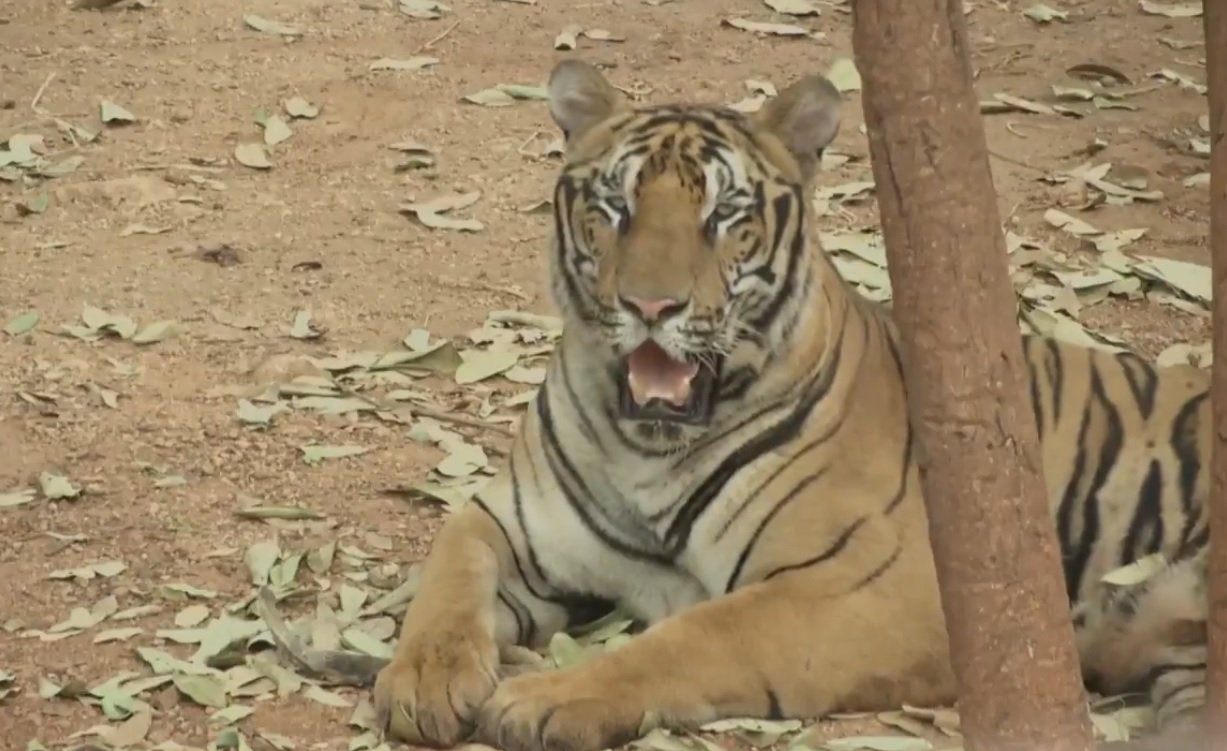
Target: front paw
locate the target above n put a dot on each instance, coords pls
(560, 710)
(432, 690)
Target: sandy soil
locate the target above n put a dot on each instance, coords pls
(160, 222)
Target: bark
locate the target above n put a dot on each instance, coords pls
(995, 546)
(1215, 21)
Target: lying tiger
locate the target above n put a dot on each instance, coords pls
(721, 447)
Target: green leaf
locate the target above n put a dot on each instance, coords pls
(412, 63)
(478, 365)
(56, 486)
(202, 689)
(315, 454)
(260, 559)
(18, 498)
(155, 332)
(113, 113)
(22, 323)
(844, 75)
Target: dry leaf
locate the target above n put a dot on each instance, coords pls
(252, 155)
(412, 63)
(759, 27)
(1171, 10)
(793, 7)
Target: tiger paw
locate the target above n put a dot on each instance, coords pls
(432, 690)
(559, 710)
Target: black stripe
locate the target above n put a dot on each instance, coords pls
(774, 710)
(783, 206)
(762, 525)
(1142, 379)
(756, 494)
(1077, 553)
(1147, 518)
(564, 470)
(836, 548)
(880, 570)
(905, 465)
(1054, 364)
(678, 533)
(515, 557)
(1037, 400)
(1185, 444)
(525, 626)
(1168, 696)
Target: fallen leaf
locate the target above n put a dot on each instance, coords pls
(412, 63)
(878, 743)
(568, 38)
(1136, 572)
(131, 731)
(759, 27)
(1045, 14)
(431, 213)
(155, 332)
(301, 327)
(425, 9)
(230, 715)
(844, 75)
(793, 7)
(315, 454)
(113, 113)
(192, 616)
(56, 486)
(300, 108)
(478, 365)
(275, 130)
(259, 23)
(254, 414)
(1171, 10)
(22, 323)
(252, 155)
(1070, 224)
(327, 698)
(18, 498)
(260, 559)
(117, 634)
(202, 689)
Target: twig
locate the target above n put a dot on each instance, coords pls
(438, 38)
(39, 95)
(455, 419)
(1016, 162)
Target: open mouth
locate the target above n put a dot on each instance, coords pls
(654, 386)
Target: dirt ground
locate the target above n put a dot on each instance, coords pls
(159, 222)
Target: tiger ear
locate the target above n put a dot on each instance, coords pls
(580, 97)
(805, 117)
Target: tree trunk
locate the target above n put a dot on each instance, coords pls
(995, 545)
(1215, 717)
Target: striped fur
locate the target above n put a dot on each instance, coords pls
(780, 551)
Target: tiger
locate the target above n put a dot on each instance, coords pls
(721, 448)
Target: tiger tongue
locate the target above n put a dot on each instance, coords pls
(653, 374)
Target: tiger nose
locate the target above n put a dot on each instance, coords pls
(653, 310)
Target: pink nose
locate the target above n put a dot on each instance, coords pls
(653, 310)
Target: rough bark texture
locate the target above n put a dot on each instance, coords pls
(1215, 21)
(995, 546)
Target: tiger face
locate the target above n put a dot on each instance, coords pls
(679, 236)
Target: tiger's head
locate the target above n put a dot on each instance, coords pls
(680, 242)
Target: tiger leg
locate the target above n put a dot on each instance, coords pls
(771, 649)
(446, 662)
(1151, 637)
